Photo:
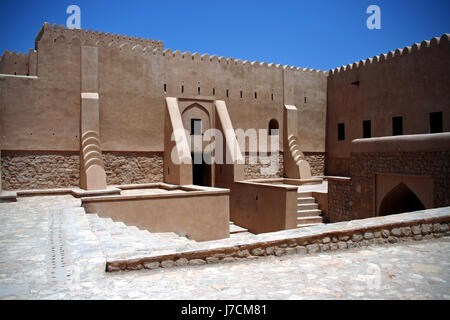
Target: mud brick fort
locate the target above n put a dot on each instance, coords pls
(109, 119)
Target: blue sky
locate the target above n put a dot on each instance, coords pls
(314, 34)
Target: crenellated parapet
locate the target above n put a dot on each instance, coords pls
(442, 42)
(92, 38)
(18, 63)
(214, 59)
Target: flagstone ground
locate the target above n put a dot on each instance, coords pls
(49, 252)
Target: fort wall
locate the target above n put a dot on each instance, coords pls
(41, 102)
(411, 82)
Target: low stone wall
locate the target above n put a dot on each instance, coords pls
(133, 167)
(258, 167)
(39, 170)
(413, 226)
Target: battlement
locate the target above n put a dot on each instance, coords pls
(93, 38)
(436, 42)
(177, 54)
(142, 46)
(18, 63)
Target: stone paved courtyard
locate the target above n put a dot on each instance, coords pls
(43, 258)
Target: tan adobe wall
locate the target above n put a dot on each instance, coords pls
(43, 113)
(307, 90)
(18, 63)
(410, 82)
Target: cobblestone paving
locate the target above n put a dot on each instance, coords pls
(407, 270)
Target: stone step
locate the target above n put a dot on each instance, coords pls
(307, 206)
(306, 200)
(309, 213)
(308, 220)
(308, 225)
(116, 238)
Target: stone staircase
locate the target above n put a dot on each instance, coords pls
(308, 212)
(118, 239)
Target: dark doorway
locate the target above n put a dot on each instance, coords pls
(201, 171)
(436, 124)
(399, 200)
(397, 126)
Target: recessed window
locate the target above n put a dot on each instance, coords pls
(228, 93)
(305, 99)
(367, 129)
(182, 89)
(214, 91)
(397, 126)
(198, 90)
(196, 126)
(341, 131)
(241, 94)
(273, 127)
(256, 95)
(272, 96)
(436, 124)
(165, 88)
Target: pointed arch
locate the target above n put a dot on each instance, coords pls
(399, 200)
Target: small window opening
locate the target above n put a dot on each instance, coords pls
(182, 89)
(198, 90)
(228, 93)
(273, 127)
(241, 94)
(397, 126)
(436, 123)
(272, 96)
(256, 95)
(367, 130)
(165, 88)
(305, 99)
(214, 91)
(341, 131)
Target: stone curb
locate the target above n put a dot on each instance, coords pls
(420, 227)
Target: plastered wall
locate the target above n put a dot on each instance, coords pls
(410, 82)
(134, 77)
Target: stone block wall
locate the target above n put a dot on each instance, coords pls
(133, 167)
(39, 170)
(337, 166)
(254, 166)
(339, 200)
(317, 162)
(354, 199)
(253, 171)
(364, 167)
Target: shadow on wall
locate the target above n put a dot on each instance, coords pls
(400, 199)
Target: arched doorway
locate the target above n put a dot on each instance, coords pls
(196, 119)
(273, 125)
(400, 199)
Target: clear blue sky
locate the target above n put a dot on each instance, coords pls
(317, 34)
